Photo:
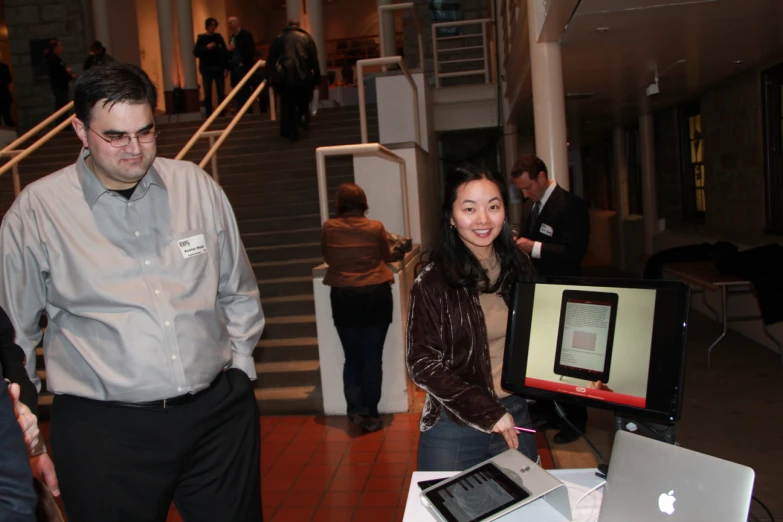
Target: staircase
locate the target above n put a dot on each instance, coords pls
(271, 184)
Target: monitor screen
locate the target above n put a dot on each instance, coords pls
(613, 344)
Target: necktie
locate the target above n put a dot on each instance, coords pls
(534, 212)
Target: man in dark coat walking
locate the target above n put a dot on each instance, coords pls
(293, 68)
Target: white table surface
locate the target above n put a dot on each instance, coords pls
(577, 480)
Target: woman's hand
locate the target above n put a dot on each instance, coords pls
(505, 428)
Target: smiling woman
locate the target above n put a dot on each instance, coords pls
(457, 328)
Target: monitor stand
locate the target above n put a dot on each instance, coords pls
(653, 430)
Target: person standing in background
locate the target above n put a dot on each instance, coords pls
(60, 75)
(5, 95)
(357, 250)
(212, 57)
(97, 55)
(293, 67)
(242, 48)
(555, 233)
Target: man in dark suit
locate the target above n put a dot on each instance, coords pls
(555, 232)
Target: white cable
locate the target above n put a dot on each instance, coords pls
(599, 486)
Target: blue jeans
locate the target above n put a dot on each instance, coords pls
(450, 447)
(363, 370)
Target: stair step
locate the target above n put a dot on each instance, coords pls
(282, 252)
(288, 305)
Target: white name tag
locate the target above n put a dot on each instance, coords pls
(547, 230)
(192, 246)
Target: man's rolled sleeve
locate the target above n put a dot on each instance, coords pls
(238, 291)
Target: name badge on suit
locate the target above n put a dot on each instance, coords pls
(546, 230)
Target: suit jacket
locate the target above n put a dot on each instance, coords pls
(17, 496)
(563, 228)
(12, 364)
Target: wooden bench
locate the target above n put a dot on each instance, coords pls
(704, 276)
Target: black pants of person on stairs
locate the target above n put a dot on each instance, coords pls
(294, 109)
(118, 463)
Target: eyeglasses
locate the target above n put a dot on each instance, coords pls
(118, 142)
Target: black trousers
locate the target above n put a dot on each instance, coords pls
(237, 73)
(5, 113)
(118, 463)
(294, 104)
(60, 100)
(208, 76)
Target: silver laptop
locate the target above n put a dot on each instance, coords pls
(651, 481)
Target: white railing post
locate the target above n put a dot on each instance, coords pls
(362, 107)
(323, 195)
(215, 173)
(272, 104)
(366, 149)
(360, 85)
(17, 181)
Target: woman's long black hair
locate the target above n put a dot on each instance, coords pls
(456, 262)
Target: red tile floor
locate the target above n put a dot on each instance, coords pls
(325, 469)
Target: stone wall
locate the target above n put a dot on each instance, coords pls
(42, 19)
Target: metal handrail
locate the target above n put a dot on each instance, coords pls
(382, 10)
(360, 84)
(19, 155)
(484, 43)
(32, 132)
(224, 104)
(224, 133)
(365, 149)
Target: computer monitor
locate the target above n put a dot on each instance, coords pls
(608, 343)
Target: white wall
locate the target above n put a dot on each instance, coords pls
(395, 108)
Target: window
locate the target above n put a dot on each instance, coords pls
(694, 203)
(773, 148)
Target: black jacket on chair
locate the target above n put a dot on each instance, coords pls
(563, 228)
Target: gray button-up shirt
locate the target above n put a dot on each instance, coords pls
(147, 298)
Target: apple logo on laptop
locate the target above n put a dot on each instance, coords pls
(666, 502)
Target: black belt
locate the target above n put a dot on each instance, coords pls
(173, 401)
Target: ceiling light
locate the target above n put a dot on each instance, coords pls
(601, 30)
(737, 62)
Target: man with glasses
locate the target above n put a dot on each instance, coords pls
(153, 314)
(212, 57)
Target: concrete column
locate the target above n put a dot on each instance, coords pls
(389, 43)
(649, 192)
(293, 10)
(167, 58)
(620, 174)
(315, 22)
(549, 114)
(187, 61)
(100, 20)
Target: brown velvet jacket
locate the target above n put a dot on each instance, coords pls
(448, 351)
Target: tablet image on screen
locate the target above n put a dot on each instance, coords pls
(585, 335)
(476, 495)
